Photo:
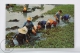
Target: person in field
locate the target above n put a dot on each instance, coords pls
(41, 24)
(34, 30)
(24, 9)
(30, 27)
(50, 22)
(65, 17)
(21, 36)
(57, 16)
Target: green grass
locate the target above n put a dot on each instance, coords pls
(10, 35)
(67, 9)
(16, 8)
(34, 19)
(59, 37)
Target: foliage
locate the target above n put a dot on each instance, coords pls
(67, 9)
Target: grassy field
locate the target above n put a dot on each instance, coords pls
(59, 37)
(67, 9)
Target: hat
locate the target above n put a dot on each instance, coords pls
(48, 21)
(24, 8)
(29, 18)
(23, 30)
